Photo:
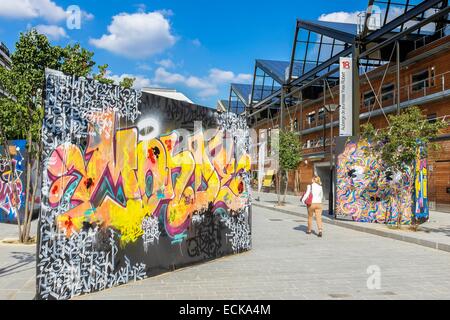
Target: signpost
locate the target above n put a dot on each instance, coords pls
(345, 97)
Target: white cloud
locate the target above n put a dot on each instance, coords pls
(139, 82)
(166, 63)
(393, 13)
(87, 16)
(221, 76)
(51, 31)
(196, 42)
(144, 66)
(46, 9)
(208, 86)
(137, 35)
(341, 16)
(166, 77)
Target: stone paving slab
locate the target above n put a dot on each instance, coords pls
(433, 234)
(286, 263)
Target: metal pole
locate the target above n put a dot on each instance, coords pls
(398, 77)
(324, 118)
(330, 193)
(282, 109)
(356, 89)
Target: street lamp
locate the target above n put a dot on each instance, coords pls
(331, 108)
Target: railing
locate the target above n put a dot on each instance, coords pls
(415, 90)
(419, 89)
(439, 34)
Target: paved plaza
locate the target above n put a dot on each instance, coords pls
(285, 263)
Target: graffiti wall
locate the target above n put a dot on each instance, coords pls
(135, 185)
(366, 191)
(421, 208)
(12, 174)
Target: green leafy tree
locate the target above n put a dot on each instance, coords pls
(127, 82)
(397, 144)
(288, 149)
(21, 111)
(101, 75)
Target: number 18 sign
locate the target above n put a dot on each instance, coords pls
(345, 97)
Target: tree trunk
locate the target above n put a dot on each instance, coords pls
(33, 196)
(278, 187)
(28, 183)
(286, 181)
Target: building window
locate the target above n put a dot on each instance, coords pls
(311, 117)
(432, 118)
(432, 76)
(387, 92)
(369, 98)
(321, 114)
(308, 144)
(420, 80)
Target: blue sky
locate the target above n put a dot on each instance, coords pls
(197, 47)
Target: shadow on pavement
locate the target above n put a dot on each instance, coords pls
(23, 259)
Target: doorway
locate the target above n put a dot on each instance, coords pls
(322, 169)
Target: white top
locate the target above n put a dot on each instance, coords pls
(317, 193)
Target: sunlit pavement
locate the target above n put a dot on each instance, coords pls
(285, 263)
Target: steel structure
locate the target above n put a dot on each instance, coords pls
(386, 26)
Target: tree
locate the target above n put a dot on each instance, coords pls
(127, 82)
(397, 145)
(289, 157)
(21, 112)
(407, 132)
(101, 75)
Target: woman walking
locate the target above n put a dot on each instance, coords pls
(313, 200)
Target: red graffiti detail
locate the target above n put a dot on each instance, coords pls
(89, 183)
(169, 145)
(241, 187)
(150, 155)
(55, 189)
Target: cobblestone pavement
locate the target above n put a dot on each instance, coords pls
(286, 263)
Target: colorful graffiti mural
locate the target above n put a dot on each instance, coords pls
(131, 189)
(12, 170)
(366, 191)
(421, 209)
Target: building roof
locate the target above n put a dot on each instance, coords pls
(279, 70)
(168, 93)
(222, 105)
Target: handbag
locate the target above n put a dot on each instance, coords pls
(308, 200)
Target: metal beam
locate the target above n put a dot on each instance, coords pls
(260, 65)
(366, 18)
(326, 31)
(421, 7)
(294, 48)
(405, 32)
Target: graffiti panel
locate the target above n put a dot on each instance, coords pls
(135, 185)
(366, 191)
(12, 174)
